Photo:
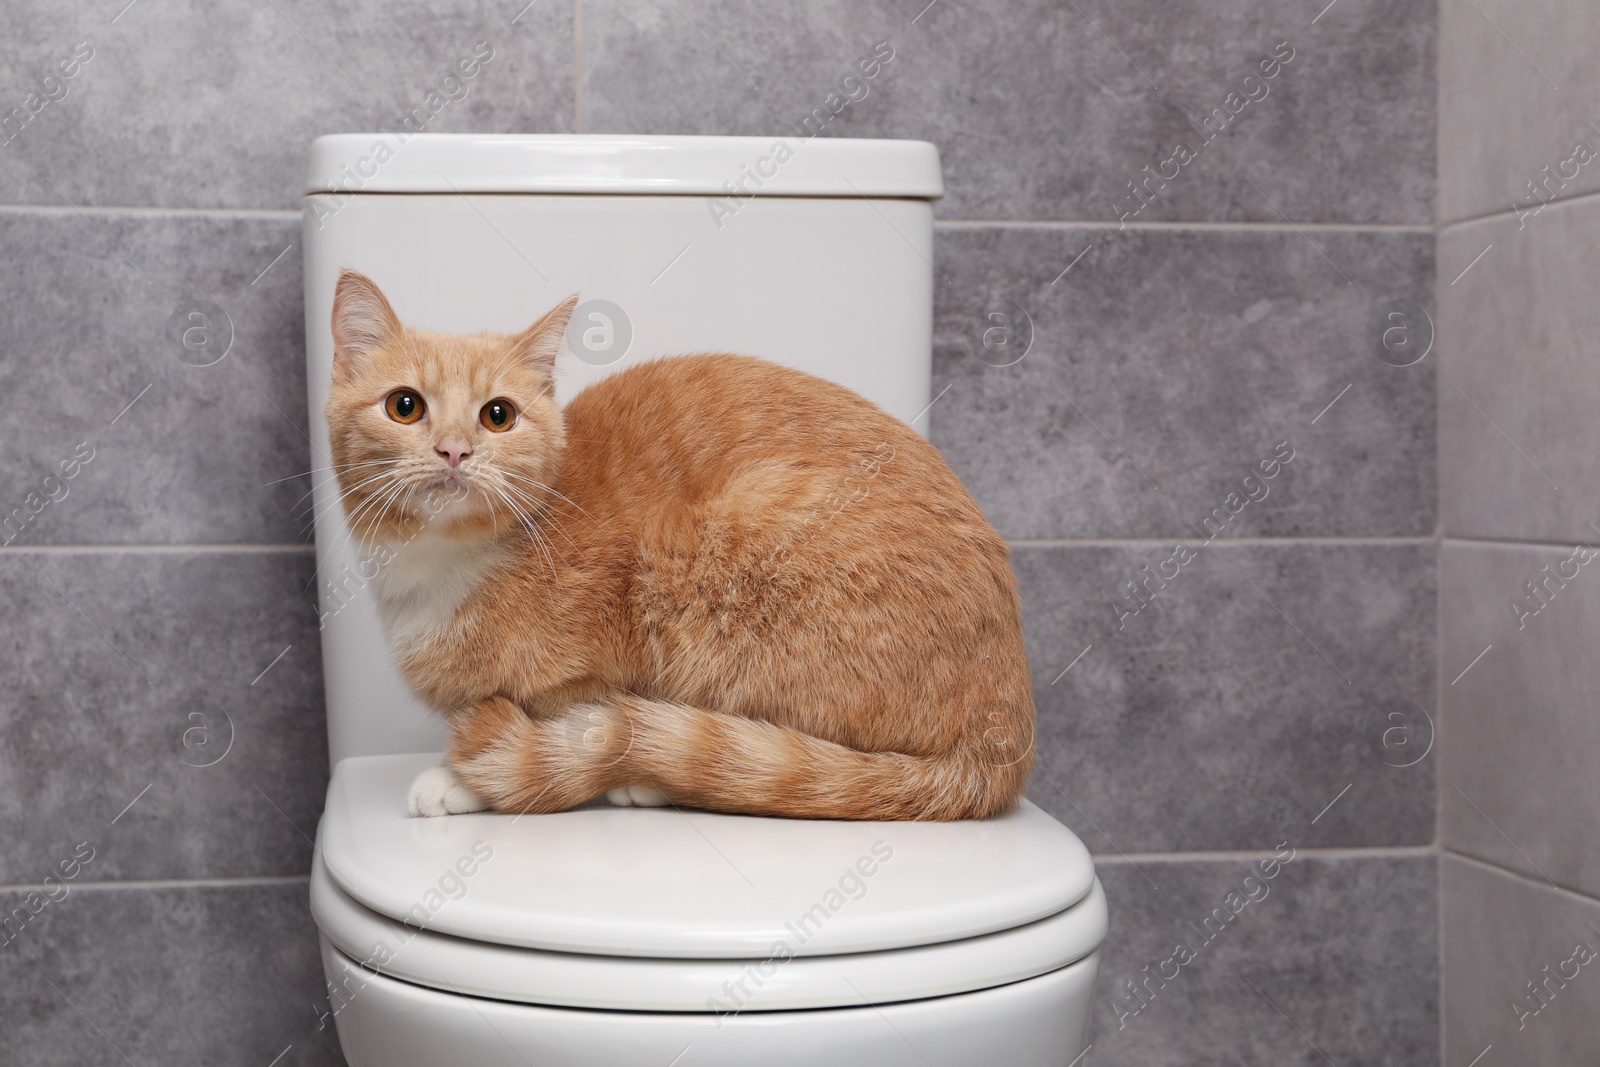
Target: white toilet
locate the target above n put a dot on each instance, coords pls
(653, 936)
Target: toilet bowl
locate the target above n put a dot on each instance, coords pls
(657, 935)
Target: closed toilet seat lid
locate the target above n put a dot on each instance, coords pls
(664, 883)
(774, 983)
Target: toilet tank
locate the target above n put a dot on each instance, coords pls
(814, 253)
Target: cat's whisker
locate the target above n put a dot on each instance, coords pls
(353, 518)
(525, 520)
(344, 493)
(322, 470)
(539, 540)
(354, 510)
(545, 506)
(403, 502)
(369, 542)
(518, 515)
(332, 478)
(494, 519)
(542, 509)
(362, 544)
(548, 489)
(388, 471)
(386, 499)
(489, 469)
(363, 539)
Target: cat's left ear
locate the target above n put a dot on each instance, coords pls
(362, 321)
(540, 344)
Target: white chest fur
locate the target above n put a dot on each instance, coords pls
(426, 581)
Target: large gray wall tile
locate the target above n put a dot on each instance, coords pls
(1517, 82)
(1519, 731)
(102, 687)
(1210, 720)
(1166, 363)
(1346, 949)
(217, 975)
(208, 453)
(1500, 932)
(1518, 433)
(201, 104)
(1046, 111)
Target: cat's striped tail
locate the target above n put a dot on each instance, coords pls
(719, 762)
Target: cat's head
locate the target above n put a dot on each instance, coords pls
(459, 435)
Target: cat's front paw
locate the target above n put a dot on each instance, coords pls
(637, 796)
(437, 791)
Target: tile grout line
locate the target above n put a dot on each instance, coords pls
(1088, 542)
(1437, 845)
(1183, 224)
(1440, 1026)
(1118, 542)
(1107, 860)
(164, 883)
(284, 214)
(580, 117)
(1233, 855)
(222, 546)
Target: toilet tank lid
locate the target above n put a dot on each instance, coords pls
(665, 883)
(614, 165)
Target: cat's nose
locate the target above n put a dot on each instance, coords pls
(453, 451)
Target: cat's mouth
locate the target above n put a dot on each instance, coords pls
(453, 480)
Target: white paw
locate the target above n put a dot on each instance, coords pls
(437, 791)
(645, 796)
(637, 796)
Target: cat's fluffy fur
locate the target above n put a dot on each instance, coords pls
(710, 577)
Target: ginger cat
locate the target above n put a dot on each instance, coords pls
(709, 581)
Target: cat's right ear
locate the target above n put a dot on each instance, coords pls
(362, 321)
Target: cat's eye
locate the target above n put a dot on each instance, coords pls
(403, 405)
(497, 415)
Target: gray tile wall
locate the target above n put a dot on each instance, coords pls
(1272, 685)
(1518, 957)
(1519, 500)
